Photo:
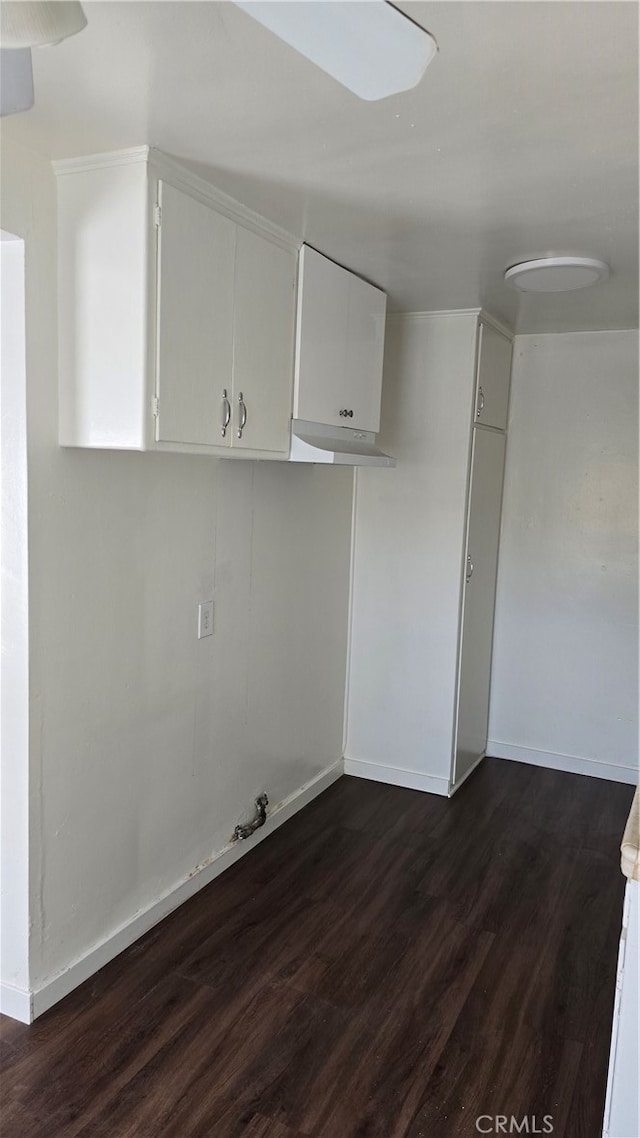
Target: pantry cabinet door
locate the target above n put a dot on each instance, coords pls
(494, 375)
(479, 592)
(194, 331)
(263, 343)
(365, 350)
(321, 340)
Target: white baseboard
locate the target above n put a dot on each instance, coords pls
(396, 776)
(570, 763)
(40, 1000)
(16, 1003)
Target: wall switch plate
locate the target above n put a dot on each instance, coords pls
(205, 619)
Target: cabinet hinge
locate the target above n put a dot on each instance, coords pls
(154, 407)
(157, 215)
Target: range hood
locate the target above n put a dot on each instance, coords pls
(344, 446)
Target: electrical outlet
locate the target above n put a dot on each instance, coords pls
(205, 619)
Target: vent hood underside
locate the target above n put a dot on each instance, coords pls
(317, 442)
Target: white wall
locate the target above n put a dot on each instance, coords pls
(409, 537)
(565, 663)
(147, 745)
(14, 676)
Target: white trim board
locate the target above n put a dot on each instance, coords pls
(28, 1006)
(352, 566)
(570, 763)
(397, 776)
(15, 1003)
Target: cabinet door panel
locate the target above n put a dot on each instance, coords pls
(196, 254)
(483, 534)
(321, 339)
(494, 375)
(365, 349)
(263, 342)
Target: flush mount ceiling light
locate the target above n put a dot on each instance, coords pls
(369, 47)
(25, 24)
(556, 274)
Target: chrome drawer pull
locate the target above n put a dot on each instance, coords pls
(226, 412)
(242, 407)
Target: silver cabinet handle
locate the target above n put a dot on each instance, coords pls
(480, 403)
(469, 568)
(226, 412)
(242, 408)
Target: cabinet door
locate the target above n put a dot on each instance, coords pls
(321, 340)
(263, 343)
(194, 335)
(622, 1108)
(494, 375)
(483, 533)
(365, 349)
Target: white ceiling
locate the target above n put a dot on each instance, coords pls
(520, 141)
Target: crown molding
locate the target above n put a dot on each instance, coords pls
(128, 157)
(503, 329)
(433, 315)
(173, 171)
(162, 166)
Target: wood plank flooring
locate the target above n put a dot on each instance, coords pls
(388, 964)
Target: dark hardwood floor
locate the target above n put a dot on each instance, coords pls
(388, 964)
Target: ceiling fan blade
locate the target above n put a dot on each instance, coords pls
(371, 48)
(16, 80)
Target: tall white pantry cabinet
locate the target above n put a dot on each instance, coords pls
(425, 554)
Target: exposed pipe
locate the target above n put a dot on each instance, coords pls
(250, 827)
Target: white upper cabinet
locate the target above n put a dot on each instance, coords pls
(493, 378)
(264, 318)
(339, 346)
(103, 329)
(365, 350)
(176, 312)
(195, 302)
(225, 324)
(321, 339)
